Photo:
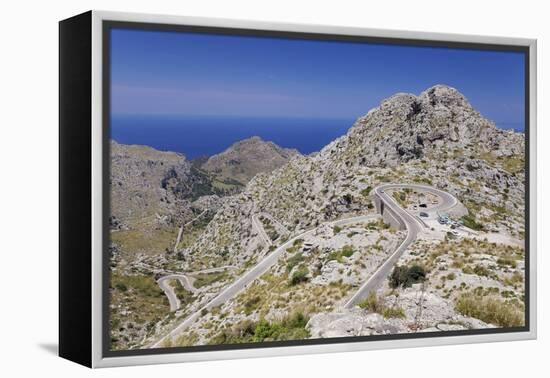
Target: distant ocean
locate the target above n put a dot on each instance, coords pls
(199, 136)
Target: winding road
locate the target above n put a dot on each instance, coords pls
(233, 289)
(186, 281)
(411, 222)
(413, 225)
(259, 228)
(164, 284)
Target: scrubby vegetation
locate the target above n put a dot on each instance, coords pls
(375, 304)
(143, 304)
(371, 303)
(210, 278)
(406, 276)
(470, 222)
(292, 327)
(294, 261)
(145, 241)
(345, 251)
(366, 192)
(299, 276)
(377, 225)
(504, 313)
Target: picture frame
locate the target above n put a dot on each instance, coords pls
(85, 275)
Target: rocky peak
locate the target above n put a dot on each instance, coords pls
(444, 96)
(248, 157)
(438, 121)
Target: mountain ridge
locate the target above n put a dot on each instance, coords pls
(244, 159)
(435, 143)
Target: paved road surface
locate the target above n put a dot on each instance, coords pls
(164, 284)
(412, 224)
(413, 228)
(258, 226)
(233, 289)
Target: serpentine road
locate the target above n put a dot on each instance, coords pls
(164, 284)
(233, 289)
(259, 228)
(187, 283)
(412, 224)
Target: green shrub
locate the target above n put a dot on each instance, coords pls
(294, 261)
(470, 222)
(298, 242)
(251, 304)
(393, 312)
(365, 192)
(345, 251)
(336, 229)
(480, 270)
(492, 310)
(371, 303)
(120, 286)
(299, 276)
(291, 327)
(405, 277)
(184, 295)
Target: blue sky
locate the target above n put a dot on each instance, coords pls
(185, 74)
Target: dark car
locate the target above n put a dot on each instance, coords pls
(423, 205)
(423, 214)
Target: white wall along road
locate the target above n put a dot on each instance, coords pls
(412, 224)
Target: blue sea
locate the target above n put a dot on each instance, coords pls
(199, 136)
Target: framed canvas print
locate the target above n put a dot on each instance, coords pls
(232, 189)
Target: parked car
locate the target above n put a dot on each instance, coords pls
(423, 205)
(423, 214)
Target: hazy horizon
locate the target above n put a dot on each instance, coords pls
(194, 136)
(159, 77)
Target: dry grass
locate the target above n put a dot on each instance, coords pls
(375, 304)
(149, 242)
(504, 313)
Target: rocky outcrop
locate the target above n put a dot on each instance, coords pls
(146, 182)
(246, 158)
(436, 138)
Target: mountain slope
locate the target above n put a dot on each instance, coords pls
(435, 138)
(142, 180)
(246, 158)
(474, 280)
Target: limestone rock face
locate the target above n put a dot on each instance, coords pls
(436, 138)
(352, 323)
(439, 120)
(422, 312)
